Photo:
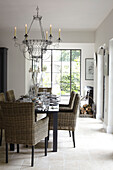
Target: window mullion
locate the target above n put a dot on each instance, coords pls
(51, 68)
(70, 68)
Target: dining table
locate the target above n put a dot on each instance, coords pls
(53, 108)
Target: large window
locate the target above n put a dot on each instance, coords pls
(61, 71)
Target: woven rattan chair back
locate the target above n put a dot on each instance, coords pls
(75, 107)
(2, 97)
(71, 101)
(10, 96)
(21, 128)
(67, 117)
(18, 119)
(44, 88)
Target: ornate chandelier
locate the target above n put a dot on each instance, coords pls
(35, 47)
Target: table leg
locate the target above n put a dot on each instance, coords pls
(12, 147)
(1, 138)
(55, 119)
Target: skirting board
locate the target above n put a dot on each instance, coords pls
(110, 129)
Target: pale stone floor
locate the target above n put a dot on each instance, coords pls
(94, 151)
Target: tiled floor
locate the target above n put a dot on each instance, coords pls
(94, 151)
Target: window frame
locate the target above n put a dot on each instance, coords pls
(61, 61)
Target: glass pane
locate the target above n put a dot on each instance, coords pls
(46, 69)
(47, 55)
(56, 84)
(56, 78)
(46, 79)
(75, 55)
(65, 55)
(57, 67)
(65, 77)
(65, 88)
(61, 70)
(75, 77)
(56, 55)
(66, 67)
(56, 71)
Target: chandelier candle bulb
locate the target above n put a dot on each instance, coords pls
(59, 32)
(50, 29)
(46, 35)
(15, 32)
(25, 28)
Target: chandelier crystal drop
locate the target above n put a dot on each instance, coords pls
(35, 47)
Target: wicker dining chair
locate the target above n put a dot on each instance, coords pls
(21, 128)
(10, 96)
(63, 107)
(49, 89)
(67, 118)
(2, 99)
(71, 102)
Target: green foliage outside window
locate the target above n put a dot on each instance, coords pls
(65, 84)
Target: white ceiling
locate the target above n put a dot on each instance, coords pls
(64, 14)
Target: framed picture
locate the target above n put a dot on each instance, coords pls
(89, 69)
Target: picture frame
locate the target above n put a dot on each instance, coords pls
(89, 69)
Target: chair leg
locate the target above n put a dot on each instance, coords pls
(1, 138)
(48, 135)
(46, 144)
(17, 148)
(6, 152)
(69, 133)
(73, 136)
(12, 147)
(32, 159)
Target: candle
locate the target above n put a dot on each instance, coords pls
(59, 32)
(15, 32)
(50, 29)
(25, 28)
(46, 35)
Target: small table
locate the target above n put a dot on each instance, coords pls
(52, 110)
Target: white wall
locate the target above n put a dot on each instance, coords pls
(16, 62)
(76, 36)
(104, 32)
(102, 36)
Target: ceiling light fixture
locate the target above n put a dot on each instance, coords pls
(35, 47)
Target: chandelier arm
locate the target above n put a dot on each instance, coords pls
(25, 56)
(30, 26)
(45, 58)
(16, 44)
(41, 28)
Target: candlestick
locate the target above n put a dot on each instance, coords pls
(15, 32)
(59, 32)
(46, 35)
(26, 29)
(50, 29)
